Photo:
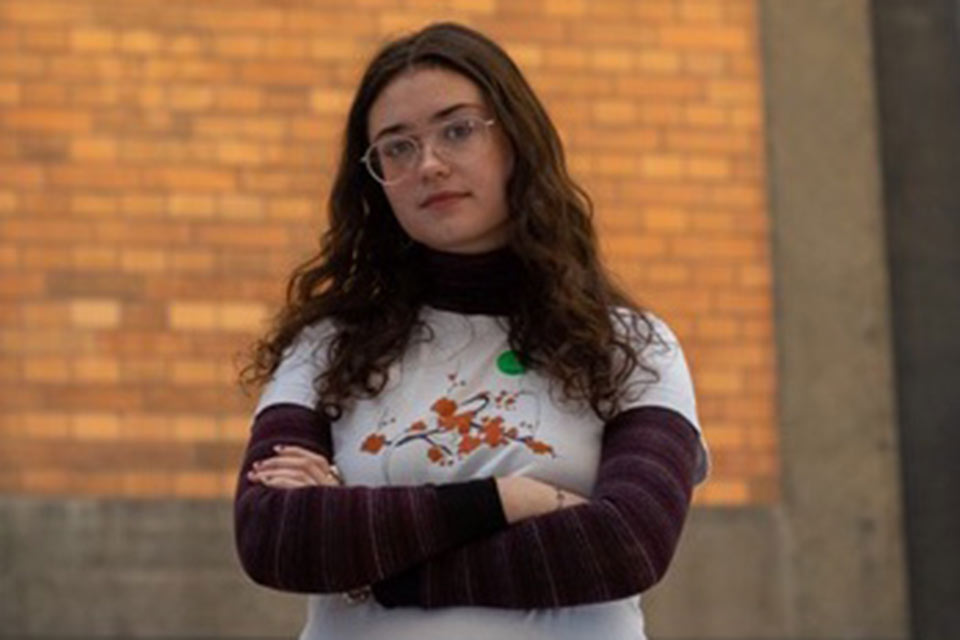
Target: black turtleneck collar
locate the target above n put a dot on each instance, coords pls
(479, 283)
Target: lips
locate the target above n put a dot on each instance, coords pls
(442, 196)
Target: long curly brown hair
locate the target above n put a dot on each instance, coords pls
(364, 281)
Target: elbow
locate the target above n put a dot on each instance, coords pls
(254, 542)
(252, 553)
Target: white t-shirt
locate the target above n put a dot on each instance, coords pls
(468, 362)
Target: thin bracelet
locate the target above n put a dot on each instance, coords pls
(560, 497)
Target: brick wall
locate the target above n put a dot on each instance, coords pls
(163, 166)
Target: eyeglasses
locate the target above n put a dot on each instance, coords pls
(394, 157)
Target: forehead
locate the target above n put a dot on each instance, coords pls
(414, 96)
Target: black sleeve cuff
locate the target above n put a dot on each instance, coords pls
(400, 590)
(471, 509)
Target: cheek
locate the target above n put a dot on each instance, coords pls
(403, 204)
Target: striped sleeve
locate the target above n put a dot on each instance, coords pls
(337, 538)
(617, 544)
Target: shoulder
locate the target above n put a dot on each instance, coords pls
(646, 331)
(300, 364)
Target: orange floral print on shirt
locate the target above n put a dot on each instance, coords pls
(455, 430)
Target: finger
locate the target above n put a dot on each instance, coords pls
(304, 465)
(285, 483)
(301, 451)
(289, 474)
(299, 456)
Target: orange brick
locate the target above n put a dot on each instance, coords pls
(95, 426)
(564, 57)
(9, 93)
(94, 483)
(659, 60)
(192, 261)
(334, 49)
(106, 176)
(22, 176)
(46, 369)
(564, 8)
(44, 314)
(139, 206)
(192, 315)
(238, 99)
(190, 372)
(705, 37)
(235, 428)
(45, 258)
(618, 60)
(143, 260)
(710, 64)
(755, 276)
(95, 314)
(721, 491)
(614, 112)
(30, 12)
(241, 317)
(94, 149)
(197, 484)
(190, 179)
(192, 206)
(45, 481)
(9, 201)
(185, 45)
(661, 220)
(44, 424)
(89, 205)
(706, 116)
(38, 120)
(240, 153)
(662, 165)
(243, 235)
(191, 429)
(92, 369)
(190, 98)
(712, 168)
(733, 92)
(718, 328)
(292, 209)
(140, 41)
(22, 65)
(143, 369)
(98, 258)
(9, 257)
(48, 39)
(668, 274)
(153, 484)
(330, 101)
(702, 11)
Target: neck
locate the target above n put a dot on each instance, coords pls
(480, 283)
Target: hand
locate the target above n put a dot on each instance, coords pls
(294, 467)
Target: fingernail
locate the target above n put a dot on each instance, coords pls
(278, 447)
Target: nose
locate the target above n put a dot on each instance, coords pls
(431, 164)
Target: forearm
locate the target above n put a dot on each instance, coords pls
(326, 539)
(617, 544)
(523, 497)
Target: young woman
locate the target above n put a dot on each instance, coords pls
(465, 427)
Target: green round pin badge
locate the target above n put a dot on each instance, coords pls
(509, 363)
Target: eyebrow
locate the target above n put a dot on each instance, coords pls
(439, 115)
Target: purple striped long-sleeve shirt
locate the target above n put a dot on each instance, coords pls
(446, 545)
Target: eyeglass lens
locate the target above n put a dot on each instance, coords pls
(391, 159)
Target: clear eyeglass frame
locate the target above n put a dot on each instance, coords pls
(440, 148)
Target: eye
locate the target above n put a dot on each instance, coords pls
(397, 148)
(459, 130)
